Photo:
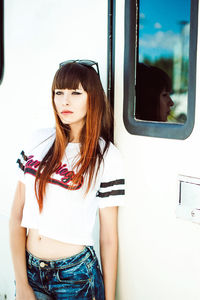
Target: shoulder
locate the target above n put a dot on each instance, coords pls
(111, 149)
(43, 133)
(112, 153)
(37, 137)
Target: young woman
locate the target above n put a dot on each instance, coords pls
(153, 89)
(66, 174)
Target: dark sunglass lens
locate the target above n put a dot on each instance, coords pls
(66, 62)
(89, 63)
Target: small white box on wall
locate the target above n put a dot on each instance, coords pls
(189, 198)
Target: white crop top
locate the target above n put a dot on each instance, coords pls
(68, 215)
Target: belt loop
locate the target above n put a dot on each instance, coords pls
(52, 264)
(91, 249)
(29, 258)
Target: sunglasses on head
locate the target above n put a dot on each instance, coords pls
(84, 62)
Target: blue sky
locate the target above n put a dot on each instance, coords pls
(159, 22)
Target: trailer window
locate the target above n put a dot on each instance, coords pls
(160, 67)
(1, 40)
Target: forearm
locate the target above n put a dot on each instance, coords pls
(17, 245)
(109, 259)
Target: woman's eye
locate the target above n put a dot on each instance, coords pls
(76, 93)
(58, 93)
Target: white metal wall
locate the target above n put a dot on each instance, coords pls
(39, 35)
(159, 254)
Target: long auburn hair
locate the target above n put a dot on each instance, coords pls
(98, 123)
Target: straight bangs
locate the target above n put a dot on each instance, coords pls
(70, 76)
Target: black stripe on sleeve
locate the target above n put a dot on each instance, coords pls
(21, 166)
(111, 183)
(24, 156)
(111, 193)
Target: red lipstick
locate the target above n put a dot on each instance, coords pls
(66, 112)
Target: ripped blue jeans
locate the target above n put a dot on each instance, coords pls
(75, 277)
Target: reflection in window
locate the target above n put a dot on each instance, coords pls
(163, 60)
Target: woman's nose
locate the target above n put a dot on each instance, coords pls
(171, 103)
(66, 99)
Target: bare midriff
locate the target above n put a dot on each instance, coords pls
(49, 249)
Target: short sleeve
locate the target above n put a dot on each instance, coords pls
(112, 181)
(33, 140)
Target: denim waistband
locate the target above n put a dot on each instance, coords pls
(87, 253)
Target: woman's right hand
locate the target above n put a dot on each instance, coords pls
(25, 293)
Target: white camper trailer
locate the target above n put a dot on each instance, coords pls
(159, 232)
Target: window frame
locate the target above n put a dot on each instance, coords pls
(148, 128)
(1, 40)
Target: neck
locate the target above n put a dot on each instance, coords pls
(75, 131)
(73, 140)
